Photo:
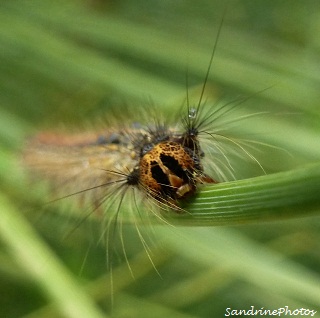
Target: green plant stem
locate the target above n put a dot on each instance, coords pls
(37, 260)
(293, 193)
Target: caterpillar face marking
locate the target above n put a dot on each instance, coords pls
(169, 168)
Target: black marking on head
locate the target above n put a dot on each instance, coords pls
(173, 165)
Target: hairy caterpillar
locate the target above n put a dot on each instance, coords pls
(154, 164)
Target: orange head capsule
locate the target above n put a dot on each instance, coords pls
(170, 171)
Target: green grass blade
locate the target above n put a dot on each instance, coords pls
(38, 262)
(292, 193)
(238, 255)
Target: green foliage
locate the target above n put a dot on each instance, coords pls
(68, 61)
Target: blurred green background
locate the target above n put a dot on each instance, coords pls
(66, 62)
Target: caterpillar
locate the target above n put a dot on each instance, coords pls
(155, 164)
